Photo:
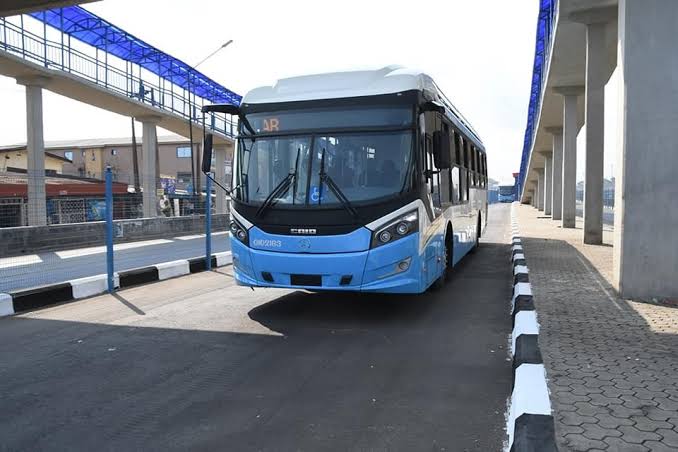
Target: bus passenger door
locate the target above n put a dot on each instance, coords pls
(434, 250)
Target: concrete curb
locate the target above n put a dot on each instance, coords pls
(530, 420)
(39, 297)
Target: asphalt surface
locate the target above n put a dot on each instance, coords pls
(198, 363)
(23, 272)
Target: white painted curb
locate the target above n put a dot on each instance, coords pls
(6, 305)
(530, 394)
(91, 285)
(224, 258)
(525, 323)
(167, 270)
(520, 269)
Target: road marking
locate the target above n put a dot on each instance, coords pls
(17, 261)
(199, 236)
(102, 249)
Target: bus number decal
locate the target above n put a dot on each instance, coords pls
(271, 125)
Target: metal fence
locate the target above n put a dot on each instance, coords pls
(56, 228)
(15, 38)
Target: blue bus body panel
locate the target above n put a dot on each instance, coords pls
(358, 240)
(374, 270)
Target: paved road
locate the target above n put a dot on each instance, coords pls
(24, 272)
(196, 363)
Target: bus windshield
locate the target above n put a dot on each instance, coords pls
(364, 166)
(506, 190)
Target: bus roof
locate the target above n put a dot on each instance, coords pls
(334, 85)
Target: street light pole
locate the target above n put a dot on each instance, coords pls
(195, 170)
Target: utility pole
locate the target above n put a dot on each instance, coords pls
(195, 162)
(135, 160)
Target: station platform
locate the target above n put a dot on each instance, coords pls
(611, 362)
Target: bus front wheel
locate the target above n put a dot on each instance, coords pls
(447, 262)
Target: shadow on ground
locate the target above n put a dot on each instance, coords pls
(611, 364)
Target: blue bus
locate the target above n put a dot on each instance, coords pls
(506, 193)
(364, 181)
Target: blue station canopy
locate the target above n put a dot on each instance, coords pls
(545, 24)
(87, 27)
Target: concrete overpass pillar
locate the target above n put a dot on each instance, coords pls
(596, 66)
(35, 147)
(548, 174)
(570, 129)
(645, 262)
(557, 173)
(596, 21)
(149, 149)
(540, 188)
(220, 154)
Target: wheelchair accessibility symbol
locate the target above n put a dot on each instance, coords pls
(315, 195)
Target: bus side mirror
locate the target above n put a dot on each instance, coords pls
(441, 150)
(207, 153)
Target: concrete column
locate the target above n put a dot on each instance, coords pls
(35, 148)
(540, 188)
(596, 66)
(597, 62)
(148, 170)
(645, 262)
(220, 154)
(570, 130)
(557, 173)
(548, 174)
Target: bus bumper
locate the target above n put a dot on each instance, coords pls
(391, 268)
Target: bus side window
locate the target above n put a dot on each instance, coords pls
(445, 192)
(454, 184)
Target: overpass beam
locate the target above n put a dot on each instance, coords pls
(570, 129)
(645, 262)
(35, 147)
(557, 173)
(548, 174)
(149, 150)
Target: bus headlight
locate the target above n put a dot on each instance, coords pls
(239, 232)
(396, 229)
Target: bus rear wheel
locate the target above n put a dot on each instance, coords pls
(478, 232)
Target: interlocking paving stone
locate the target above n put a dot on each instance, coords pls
(633, 435)
(620, 445)
(648, 425)
(578, 443)
(656, 446)
(670, 437)
(594, 431)
(611, 422)
(612, 364)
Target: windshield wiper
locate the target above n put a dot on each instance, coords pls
(281, 188)
(326, 179)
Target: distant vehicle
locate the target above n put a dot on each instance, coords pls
(359, 181)
(507, 193)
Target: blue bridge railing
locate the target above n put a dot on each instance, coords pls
(108, 71)
(548, 11)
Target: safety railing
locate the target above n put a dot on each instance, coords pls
(546, 23)
(162, 94)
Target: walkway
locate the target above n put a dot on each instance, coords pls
(612, 363)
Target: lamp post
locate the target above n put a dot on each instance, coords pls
(195, 171)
